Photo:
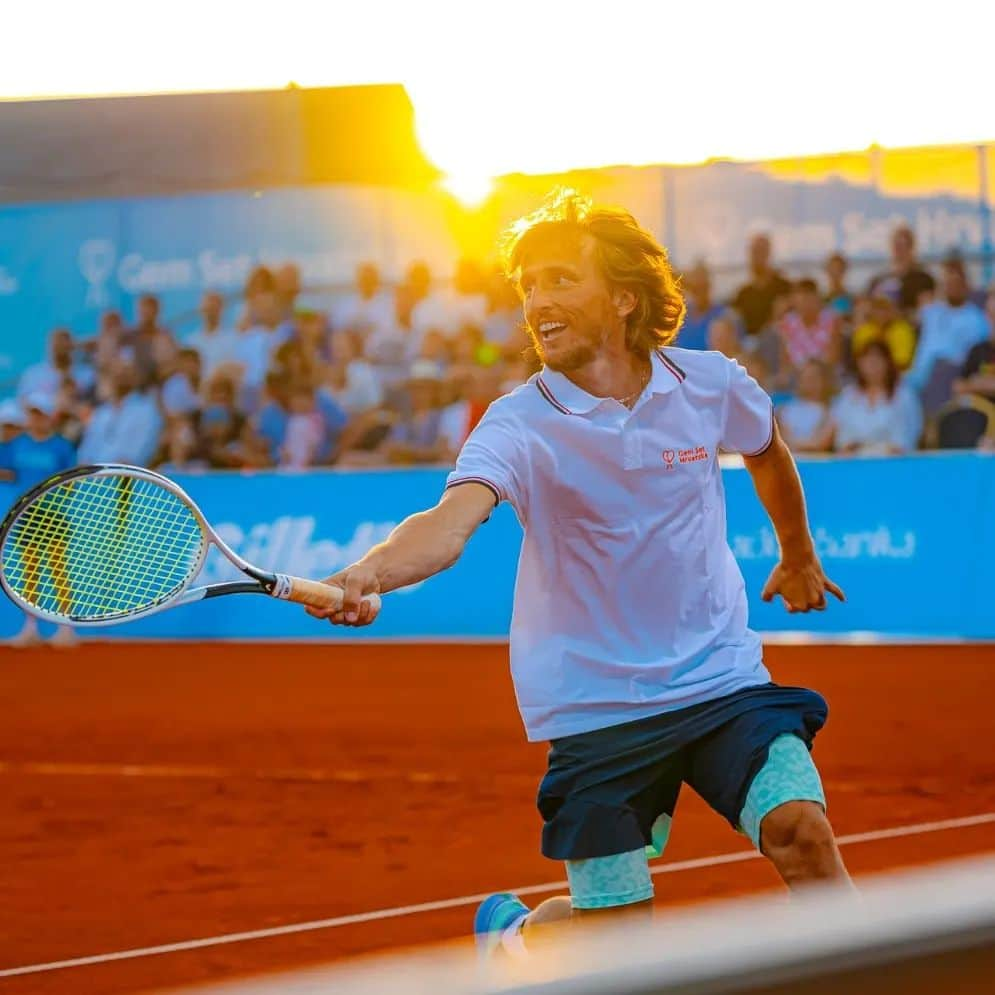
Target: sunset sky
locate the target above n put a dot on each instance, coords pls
(546, 85)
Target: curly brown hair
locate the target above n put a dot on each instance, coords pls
(629, 256)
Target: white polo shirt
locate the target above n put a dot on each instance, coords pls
(628, 601)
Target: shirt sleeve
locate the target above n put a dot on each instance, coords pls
(925, 354)
(907, 424)
(492, 456)
(748, 414)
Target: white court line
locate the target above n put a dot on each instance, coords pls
(194, 772)
(453, 903)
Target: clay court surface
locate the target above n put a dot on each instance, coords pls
(156, 794)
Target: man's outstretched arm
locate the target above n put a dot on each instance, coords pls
(422, 545)
(798, 578)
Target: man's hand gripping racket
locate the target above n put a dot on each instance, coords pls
(360, 600)
(99, 545)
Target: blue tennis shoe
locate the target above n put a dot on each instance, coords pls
(494, 915)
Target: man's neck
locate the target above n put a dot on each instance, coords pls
(612, 374)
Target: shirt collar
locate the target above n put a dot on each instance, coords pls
(564, 395)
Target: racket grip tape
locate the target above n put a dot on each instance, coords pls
(313, 593)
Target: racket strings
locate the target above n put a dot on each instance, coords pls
(101, 546)
(116, 555)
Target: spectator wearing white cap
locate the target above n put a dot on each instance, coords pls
(38, 451)
(11, 420)
(28, 459)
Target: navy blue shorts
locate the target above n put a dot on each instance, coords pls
(603, 790)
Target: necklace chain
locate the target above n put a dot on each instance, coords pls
(629, 398)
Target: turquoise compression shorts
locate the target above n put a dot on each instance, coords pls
(624, 878)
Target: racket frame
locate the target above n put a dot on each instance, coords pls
(263, 581)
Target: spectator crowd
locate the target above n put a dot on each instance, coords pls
(399, 375)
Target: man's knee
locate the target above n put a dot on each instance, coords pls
(797, 831)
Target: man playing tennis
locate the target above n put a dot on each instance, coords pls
(629, 646)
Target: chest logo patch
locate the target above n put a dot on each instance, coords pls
(694, 455)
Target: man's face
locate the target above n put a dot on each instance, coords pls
(61, 345)
(954, 285)
(125, 380)
(806, 303)
(288, 279)
(883, 310)
(111, 323)
(836, 269)
(759, 252)
(367, 280)
(419, 280)
(148, 311)
(902, 246)
(567, 303)
(211, 307)
(37, 422)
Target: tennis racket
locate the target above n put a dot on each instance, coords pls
(99, 545)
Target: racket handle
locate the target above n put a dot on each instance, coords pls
(313, 593)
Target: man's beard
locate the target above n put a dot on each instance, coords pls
(578, 354)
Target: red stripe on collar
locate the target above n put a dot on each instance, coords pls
(548, 394)
(672, 366)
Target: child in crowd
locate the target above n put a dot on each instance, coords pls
(305, 430)
(805, 421)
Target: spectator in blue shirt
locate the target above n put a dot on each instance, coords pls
(701, 309)
(838, 296)
(38, 452)
(951, 327)
(27, 459)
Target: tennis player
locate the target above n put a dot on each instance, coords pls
(630, 649)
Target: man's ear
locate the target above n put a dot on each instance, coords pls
(624, 301)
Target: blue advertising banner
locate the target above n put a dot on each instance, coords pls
(904, 537)
(65, 263)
